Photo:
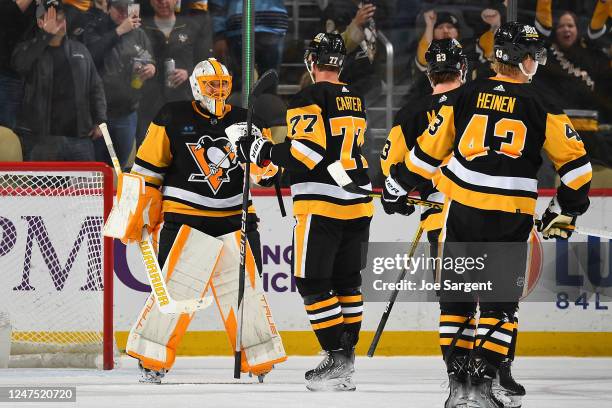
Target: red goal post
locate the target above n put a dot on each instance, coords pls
(42, 204)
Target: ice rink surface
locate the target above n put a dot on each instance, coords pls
(382, 382)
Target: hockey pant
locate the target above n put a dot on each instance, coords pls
(199, 264)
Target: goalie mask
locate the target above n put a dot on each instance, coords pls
(446, 55)
(515, 41)
(325, 49)
(211, 85)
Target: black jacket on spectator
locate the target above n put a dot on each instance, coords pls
(14, 26)
(114, 57)
(188, 44)
(33, 61)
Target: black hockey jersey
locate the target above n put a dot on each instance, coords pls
(496, 129)
(188, 154)
(326, 122)
(409, 123)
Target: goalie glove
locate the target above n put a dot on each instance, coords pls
(394, 197)
(555, 215)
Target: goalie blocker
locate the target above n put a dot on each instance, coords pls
(198, 264)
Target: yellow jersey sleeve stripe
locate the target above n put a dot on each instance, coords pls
(307, 123)
(578, 177)
(544, 19)
(395, 150)
(155, 148)
(420, 167)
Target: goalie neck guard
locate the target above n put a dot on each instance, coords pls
(446, 55)
(211, 85)
(326, 49)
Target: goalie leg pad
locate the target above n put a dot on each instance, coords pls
(188, 269)
(261, 343)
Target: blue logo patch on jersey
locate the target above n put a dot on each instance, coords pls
(188, 130)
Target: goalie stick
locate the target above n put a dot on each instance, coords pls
(343, 180)
(268, 80)
(164, 300)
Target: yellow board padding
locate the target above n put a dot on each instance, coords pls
(404, 343)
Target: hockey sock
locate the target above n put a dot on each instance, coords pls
(351, 303)
(325, 316)
(456, 335)
(514, 338)
(494, 336)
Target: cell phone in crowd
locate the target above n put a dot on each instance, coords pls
(364, 2)
(134, 10)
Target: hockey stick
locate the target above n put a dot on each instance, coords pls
(165, 302)
(268, 80)
(340, 176)
(393, 297)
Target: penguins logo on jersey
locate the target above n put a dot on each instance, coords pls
(215, 159)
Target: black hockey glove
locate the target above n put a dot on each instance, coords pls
(394, 197)
(258, 150)
(555, 215)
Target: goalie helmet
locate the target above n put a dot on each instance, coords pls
(446, 55)
(211, 85)
(325, 49)
(515, 41)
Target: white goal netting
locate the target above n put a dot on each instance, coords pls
(52, 260)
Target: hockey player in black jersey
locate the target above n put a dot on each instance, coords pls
(446, 70)
(326, 122)
(495, 129)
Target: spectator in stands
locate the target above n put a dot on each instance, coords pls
(181, 40)
(438, 26)
(271, 22)
(123, 55)
(586, 92)
(77, 17)
(16, 16)
(355, 21)
(64, 95)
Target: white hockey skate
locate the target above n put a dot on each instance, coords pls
(334, 373)
(148, 376)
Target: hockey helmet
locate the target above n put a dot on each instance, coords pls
(514, 41)
(211, 85)
(446, 55)
(325, 49)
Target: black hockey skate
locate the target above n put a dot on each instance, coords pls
(480, 393)
(458, 383)
(506, 389)
(149, 376)
(334, 373)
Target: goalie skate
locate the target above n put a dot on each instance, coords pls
(150, 376)
(334, 373)
(481, 378)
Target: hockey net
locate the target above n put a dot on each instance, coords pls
(57, 268)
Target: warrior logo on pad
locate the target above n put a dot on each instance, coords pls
(215, 159)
